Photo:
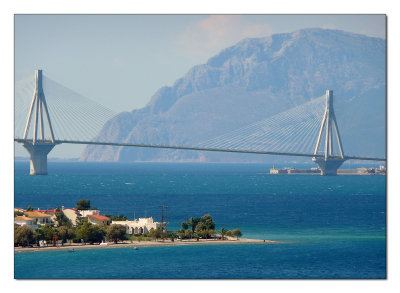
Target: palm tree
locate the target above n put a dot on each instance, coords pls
(223, 232)
(193, 223)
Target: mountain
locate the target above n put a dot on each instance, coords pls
(251, 81)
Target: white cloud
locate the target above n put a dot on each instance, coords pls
(207, 37)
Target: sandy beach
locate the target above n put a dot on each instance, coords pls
(76, 246)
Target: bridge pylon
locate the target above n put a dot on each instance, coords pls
(38, 147)
(330, 163)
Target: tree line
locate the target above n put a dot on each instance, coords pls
(63, 231)
(83, 232)
(204, 228)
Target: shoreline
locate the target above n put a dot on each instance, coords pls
(138, 244)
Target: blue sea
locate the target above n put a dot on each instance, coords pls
(331, 227)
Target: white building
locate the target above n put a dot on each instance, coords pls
(39, 218)
(25, 221)
(85, 213)
(139, 226)
(74, 214)
(71, 214)
(274, 170)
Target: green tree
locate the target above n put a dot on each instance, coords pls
(117, 218)
(88, 232)
(23, 235)
(16, 226)
(200, 226)
(206, 233)
(155, 233)
(209, 233)
(18, 213)
(193, 223)
(83, 230)
(185, 234)
(94, 209)
(39, 235)
(48, 232)
(223, 233)
(208, 222)
(188, 234)
(29, 209)
(80, 221)
(236, 233)
(83, 204)
(65, 233)
(203, 234)
(116, 232)
(185, 225)
(97, 234)
(172, 236)
(205, 228)
(61, 219)
(202, 231)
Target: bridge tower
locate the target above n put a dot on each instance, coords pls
(330, 162)
(38, 147)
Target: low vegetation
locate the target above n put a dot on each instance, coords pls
(116, 233)
(204, 228)
(83, 204)
(118, 217)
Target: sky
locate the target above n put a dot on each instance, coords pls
(120, 61)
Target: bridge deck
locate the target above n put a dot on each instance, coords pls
(195, 149)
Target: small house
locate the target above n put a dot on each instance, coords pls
(39, 218)
(99, 220)
(25, 221)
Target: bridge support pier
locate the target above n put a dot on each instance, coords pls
(38, 152)
(39, 147)
(328, 166)
(329, 163)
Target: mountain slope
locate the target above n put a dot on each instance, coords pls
(251, 81)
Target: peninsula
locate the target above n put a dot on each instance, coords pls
(84, 227)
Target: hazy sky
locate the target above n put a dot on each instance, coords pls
(122, 60)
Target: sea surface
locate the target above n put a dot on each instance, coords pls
(331, 227)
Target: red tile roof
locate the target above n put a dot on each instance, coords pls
(99, 217)
(47, 211)
(22, 218)
(36, 214)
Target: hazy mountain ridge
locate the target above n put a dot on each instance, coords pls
(251, 81)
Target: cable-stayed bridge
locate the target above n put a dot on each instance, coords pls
(62, 117)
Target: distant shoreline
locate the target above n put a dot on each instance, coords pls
(138, 244)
